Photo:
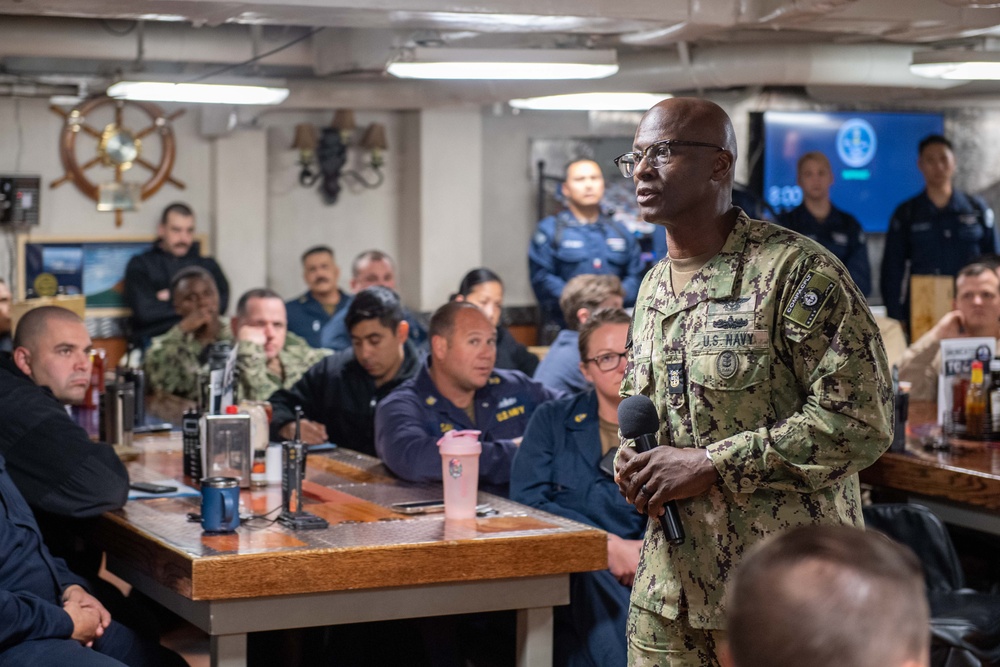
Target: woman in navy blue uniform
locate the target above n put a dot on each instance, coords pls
(557, 469)
(836, 230)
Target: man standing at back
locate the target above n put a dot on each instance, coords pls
(581, 239)
(937, 232)
(148, 276)
(310, 312)
(767, 373)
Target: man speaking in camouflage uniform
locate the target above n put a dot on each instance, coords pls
(767, 372)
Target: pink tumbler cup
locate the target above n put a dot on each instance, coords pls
(460, 452)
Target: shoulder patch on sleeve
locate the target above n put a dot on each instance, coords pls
(810, 297)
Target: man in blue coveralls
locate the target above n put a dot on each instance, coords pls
(308, 313)
(458, 388)
(817, 217)
(937, 232)
(581, 239)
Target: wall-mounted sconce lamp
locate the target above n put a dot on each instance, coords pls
(306, 138)
(330, 151)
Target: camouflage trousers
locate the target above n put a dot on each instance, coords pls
(655, 641)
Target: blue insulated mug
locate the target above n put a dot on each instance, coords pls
(220, 504)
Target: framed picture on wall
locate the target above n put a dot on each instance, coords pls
(94, 268)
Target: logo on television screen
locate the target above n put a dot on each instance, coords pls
(856, 142)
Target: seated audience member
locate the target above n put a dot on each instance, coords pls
(484, 288)
(816, 217)
(174, 359)
(148, 276)
(270, 357)
(47, 617)
(976, 314)
(560, 369)
(5, 329)
(63, 475)
(310, 312)
(828, 596)
(457, 388)
(556, 469)
(370, 268)
(339, 394)
(67, 480)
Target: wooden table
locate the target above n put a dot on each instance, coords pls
(961, 484)
(370, 564)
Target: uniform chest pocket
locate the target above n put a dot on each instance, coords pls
(730, 392)
(970, 231)
(572, 249)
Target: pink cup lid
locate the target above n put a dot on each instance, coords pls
(460, 443)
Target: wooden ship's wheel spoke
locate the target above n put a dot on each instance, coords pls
(118, 147)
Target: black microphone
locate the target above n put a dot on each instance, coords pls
(638, 421)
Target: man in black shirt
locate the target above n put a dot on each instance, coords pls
(339, 394)
(148, 276)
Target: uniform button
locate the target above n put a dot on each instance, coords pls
(485, 404)
(947, 233)
(746, 483)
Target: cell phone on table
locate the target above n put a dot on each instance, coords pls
(425, 507)
(151, 488)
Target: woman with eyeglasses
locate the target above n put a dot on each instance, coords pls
(558, 468)
(484, 288)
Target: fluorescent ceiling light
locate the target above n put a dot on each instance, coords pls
(197, 93)
(444, 63)
(957, 64)
(591, 102)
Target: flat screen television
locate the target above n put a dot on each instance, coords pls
(873, 155)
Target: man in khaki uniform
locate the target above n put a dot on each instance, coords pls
(768, 374)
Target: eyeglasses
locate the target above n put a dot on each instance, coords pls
(607, 362)
(657, 154)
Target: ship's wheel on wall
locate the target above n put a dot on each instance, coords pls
(120, 148)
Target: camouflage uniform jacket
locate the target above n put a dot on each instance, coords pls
(770, 360)
(174, 359)
(257, 382)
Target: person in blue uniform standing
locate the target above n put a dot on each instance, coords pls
(457, 388)
(308, 313)
(817, 217)
(937, 232)
(557, 470)
(581, 239)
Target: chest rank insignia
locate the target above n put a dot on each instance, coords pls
(675, 378)
(727, 364)
(812, 293)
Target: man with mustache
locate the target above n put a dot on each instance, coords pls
(767, 372)
(310, 312)
(148, 276)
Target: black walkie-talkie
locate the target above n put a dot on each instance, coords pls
(292, 474)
